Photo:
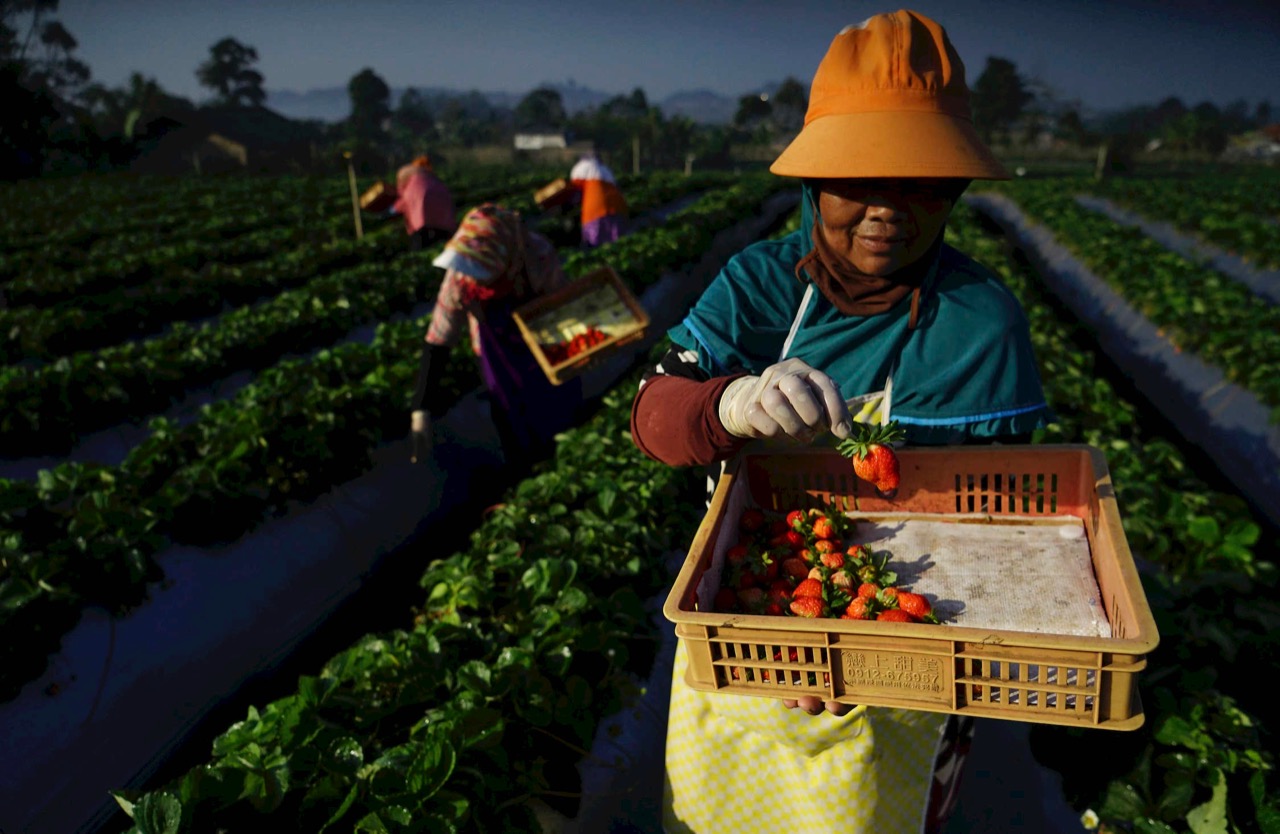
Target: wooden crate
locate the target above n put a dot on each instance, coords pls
(553, 193)
(379, 197)
(598, 299)
(1086, 681)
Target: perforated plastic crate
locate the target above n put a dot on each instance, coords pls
(1024, 675)
(597, 300)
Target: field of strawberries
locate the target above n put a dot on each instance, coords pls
(488, 673)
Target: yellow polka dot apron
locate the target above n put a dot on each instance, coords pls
(744, 764)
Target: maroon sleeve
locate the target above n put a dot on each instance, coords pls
(675, 420)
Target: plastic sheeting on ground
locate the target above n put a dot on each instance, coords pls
(1264, 283)
(1192, 394)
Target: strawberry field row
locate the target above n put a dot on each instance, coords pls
(87, 533)
(1238, 213)
(204, 281)
(1209, 573)
(1198, 309)
(488, 698)
(53, 404)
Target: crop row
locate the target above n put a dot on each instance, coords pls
(86, 534)
(523, 641)
(1198, 309)
(51, 405)
(115, 299)
(1238, 214)
(1209, 574)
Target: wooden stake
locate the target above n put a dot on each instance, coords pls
(355, 197)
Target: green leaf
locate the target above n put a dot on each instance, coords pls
(345, 756)
(1211, 817)
(1204, 529)
(158, 813)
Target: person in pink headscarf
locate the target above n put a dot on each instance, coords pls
(425, 203)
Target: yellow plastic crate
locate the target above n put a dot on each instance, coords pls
(1085, 681)
(598, 299)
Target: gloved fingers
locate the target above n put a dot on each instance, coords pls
(790, 408)
(836, 411)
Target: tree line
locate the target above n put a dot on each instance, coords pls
(56, 118)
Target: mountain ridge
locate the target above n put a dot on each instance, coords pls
(332, 104)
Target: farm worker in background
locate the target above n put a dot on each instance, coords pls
(862, 311)
(604, 209)
(425, 203)
(493, 264)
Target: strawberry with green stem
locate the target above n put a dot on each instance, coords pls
(873, 457)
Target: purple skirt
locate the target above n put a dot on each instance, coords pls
(602, 230)
(536, 409)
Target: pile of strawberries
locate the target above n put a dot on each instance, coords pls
(558, 352)
(799, 566)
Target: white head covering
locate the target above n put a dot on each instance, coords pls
(591, 168)
(452, 259)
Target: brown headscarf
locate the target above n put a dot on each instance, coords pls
(854, 292)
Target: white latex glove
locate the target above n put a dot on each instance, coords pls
(789, 398)
(419, 435)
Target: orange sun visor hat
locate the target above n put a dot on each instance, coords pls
(889, 100)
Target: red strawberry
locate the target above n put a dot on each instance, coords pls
(917, 606)
(833, 559)
(895, 615)
(752, 519)
(859, 609)
(808, 607)
(752, 599)
(888, 597)
(781, 596)
(873, 457)
(795, 567)
(774, 609)
(737, 555)
(825, 546)
(823, 528)
(726, 600)
(842, 579)
(858, 551)
(868, 590)
(808, 588)
(795, 519)
(778, 527)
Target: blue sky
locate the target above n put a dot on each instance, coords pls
(1106, 54)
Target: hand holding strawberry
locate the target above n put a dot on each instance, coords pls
(873, 457)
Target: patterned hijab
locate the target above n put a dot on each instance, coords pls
(495, 238)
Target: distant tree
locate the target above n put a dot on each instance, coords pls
(39, 81)
(1199, 129)
(1262, 114)
(1071, 128)
(753, 109)
(412, 124)
(999, 97)
(542, 108)
(42, 56)
(789, 105)
(370, 106)
(229, 73)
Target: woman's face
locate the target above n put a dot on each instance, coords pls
(880, 226)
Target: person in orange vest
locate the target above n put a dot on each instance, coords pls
(604, 209)
(425, 203)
